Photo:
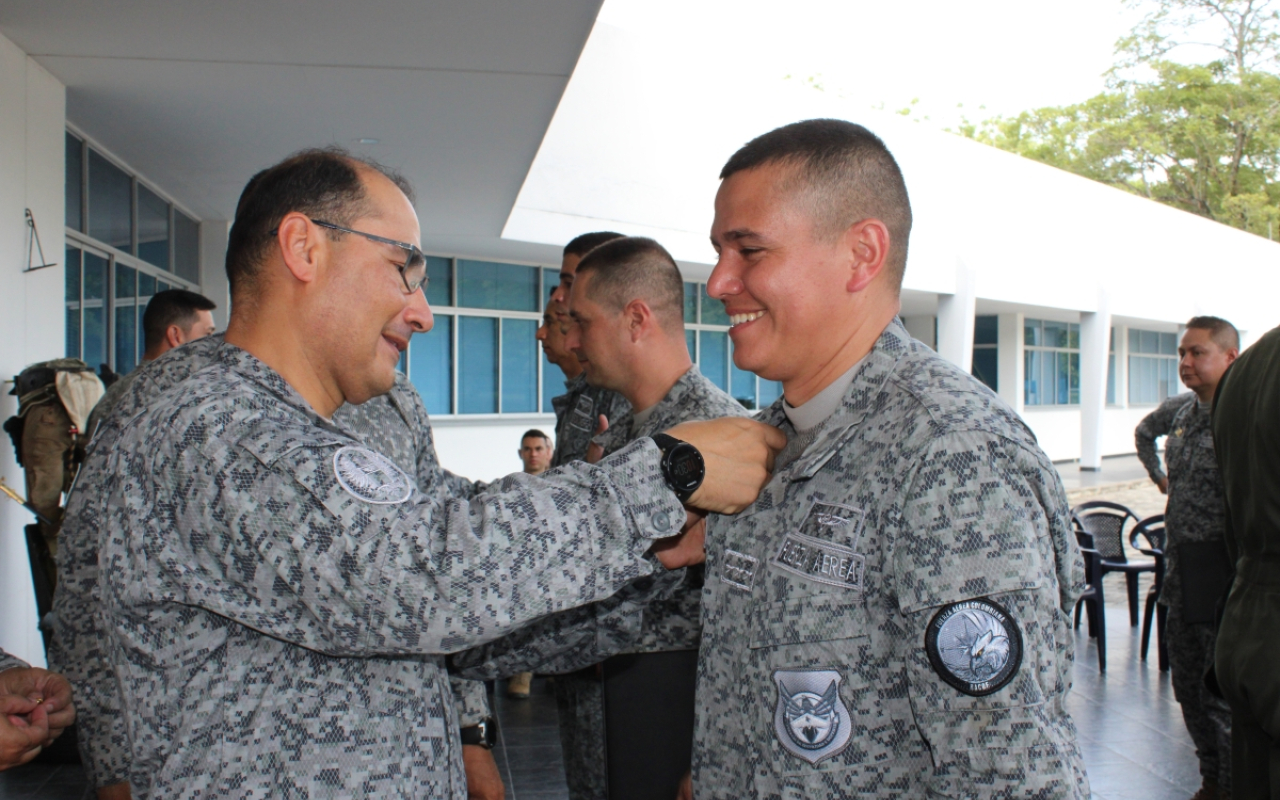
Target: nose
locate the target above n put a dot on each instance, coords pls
(418, 314)
(541, 333)
(726, 278)
(559, 294)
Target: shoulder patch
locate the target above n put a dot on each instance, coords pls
(370, 476)
(975, 646)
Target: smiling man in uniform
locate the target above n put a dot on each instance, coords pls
(890, 617)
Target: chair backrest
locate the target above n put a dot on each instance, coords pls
(1106, 521)
(1152, 530)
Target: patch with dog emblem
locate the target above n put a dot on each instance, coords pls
(370, 476)
(975, 646)
(811, 721)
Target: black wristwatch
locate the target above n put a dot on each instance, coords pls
(682, 465)
(483, 733)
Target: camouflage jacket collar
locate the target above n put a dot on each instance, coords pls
(859, 400)
(248, 366)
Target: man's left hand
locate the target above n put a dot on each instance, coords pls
(49, 688)
(483, 780)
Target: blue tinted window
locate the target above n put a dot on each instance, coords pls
(507, 287)
(744, 386)
(550, 279)
(714, 357)
(153, 228)
(477, 365)
(1111, 378)
(985, 360)
(519, 366)
(72, 295)
(126, 281)
(439, 281)
(431, 366)
(691, 340)
(770, 391)
(986, 330)
(552, 384)
(690, 302)
(75, 176)
(1031, 389)
(95, 311)
(1032, 333)
(186, 247)
(712, 310)
(110, 203)
(126, 341)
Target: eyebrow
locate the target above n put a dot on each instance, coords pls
(738, 234)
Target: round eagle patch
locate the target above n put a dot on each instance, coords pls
(975, 646)
(370, 476)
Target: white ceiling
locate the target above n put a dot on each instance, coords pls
(197, 96)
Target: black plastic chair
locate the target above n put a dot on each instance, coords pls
(1092, 600)
(1106, 522)
(1148, 537)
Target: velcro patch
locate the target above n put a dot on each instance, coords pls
(583, 415)
(370, 476)
(821, 561)
(739, 570)
(974, 645)
(834, 522)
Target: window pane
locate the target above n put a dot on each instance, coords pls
(1032, 334)
(552, 384)
(110, 203)
(186, 247)
(519, 366)
(1112, 345)
(161, 286)
(431, 366)
(439, 281)
(1150, 342)
(691, 340)
(1111, 374)
(690, 302)
(1031, 378)
(1168, 379)
(477, 365)
(1073, 336)
(126, 338)
(712, 310)
(1061, 373)
(1055, 334)
(72, 297)
(986, 330)
(770, 391)
(95, 312)
(1135, 343)
(126, 281)
(509, 287)
(146, 287)
(550, 280)
(1168, 344)
(75, 174)
(714, 362)
(744, 386)
(985, 360)
(153, 228)
(1073, 364)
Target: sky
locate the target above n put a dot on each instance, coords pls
(991, 56)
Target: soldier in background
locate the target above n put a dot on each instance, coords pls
(1197, 569)
(172, 318)
(627, 307)
(35, 707)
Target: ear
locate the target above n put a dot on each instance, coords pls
(867, 243)
(1232, 354)
(175, 336)
(639, 318)
(301, 244)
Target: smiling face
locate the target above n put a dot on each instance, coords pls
(783, 286)
(1202, 362)
(362, 318)
(599, 337)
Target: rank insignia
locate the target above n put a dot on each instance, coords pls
(975, 646)
(370, 476)
(811, 721)
(583, 415)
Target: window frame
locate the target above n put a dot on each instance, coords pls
(1027, 349)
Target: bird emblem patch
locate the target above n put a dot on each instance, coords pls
(810, 721)
(370, 476)
(975, 646)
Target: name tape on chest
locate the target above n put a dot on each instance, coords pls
(975, 646)
(370, 476)
(583, 415)
(810, 720)
(739, 570)
(820, 561)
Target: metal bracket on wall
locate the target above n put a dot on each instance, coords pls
(34, 246)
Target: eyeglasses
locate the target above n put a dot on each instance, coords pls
(414, 269)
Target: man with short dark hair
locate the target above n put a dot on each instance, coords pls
(535, 452)
(627, 307)
(278, 594)
(173, 318)
(891, 618)
(1196, 564)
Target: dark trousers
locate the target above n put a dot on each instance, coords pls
(1248, 670)
(1208, 718)
(649, 710)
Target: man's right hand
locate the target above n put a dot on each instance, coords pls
(24, 728)
(738, 454)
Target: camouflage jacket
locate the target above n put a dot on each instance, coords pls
(9, 662)
(578, 413)
(278, 595)
(1196, 510)
(395, 424)
(674, 623)
(111, 398)
(891, 618)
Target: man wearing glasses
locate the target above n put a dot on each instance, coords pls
(279, 595)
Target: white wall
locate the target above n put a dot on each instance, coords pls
(485, 450)
(32, 126)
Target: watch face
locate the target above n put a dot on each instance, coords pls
(685, 468)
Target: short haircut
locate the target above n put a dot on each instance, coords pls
(534, 433)
(844, 174)
(1221, 331)
(323, 183)
(581, 245)
(636, 268)
(172, 307)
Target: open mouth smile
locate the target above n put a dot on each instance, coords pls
(742, 319)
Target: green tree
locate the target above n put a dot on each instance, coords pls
(1201, 136)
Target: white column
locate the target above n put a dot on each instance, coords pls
(1095, 340)
(1010, 367)
(955, 320)
(213, 268)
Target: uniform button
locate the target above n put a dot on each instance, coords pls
(662, 522)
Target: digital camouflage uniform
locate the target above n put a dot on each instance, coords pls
(1195, 512)
(394, 424)
(278, 594)
(9, 662)
(580, 695)
(111, 398)
(921, 491)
